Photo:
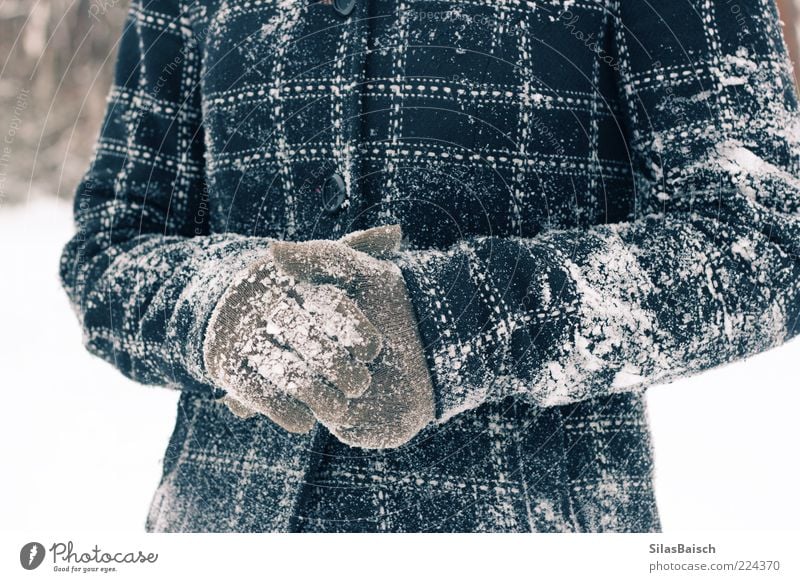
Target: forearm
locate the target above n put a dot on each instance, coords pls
(704, 272)
(143, 271)
(568, 316)
(144, 299)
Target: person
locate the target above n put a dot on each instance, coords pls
(414, 264)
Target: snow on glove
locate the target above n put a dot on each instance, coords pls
(271, 341)
(400, 400)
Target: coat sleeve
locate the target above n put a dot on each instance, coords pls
(706, 272)
(142, 271)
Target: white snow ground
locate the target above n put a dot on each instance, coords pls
(80, 446)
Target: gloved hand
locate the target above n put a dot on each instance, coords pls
(272, 343)
(400, 399)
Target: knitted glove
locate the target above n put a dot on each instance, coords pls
(271, 342)
(400, 400)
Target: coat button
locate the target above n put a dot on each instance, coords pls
(334, 193)
(344, 7)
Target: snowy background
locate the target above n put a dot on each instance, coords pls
(82, 446)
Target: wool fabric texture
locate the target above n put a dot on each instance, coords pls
(597, 195)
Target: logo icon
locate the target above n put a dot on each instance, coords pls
(31, 555)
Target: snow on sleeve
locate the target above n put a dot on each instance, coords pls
(706, 272)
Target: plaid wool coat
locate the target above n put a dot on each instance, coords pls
(597, 195)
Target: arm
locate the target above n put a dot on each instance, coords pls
(143, 273)
(706, 273)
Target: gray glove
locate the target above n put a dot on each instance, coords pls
(272, 344)
(400, 400)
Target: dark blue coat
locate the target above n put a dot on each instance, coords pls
(598, 196)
